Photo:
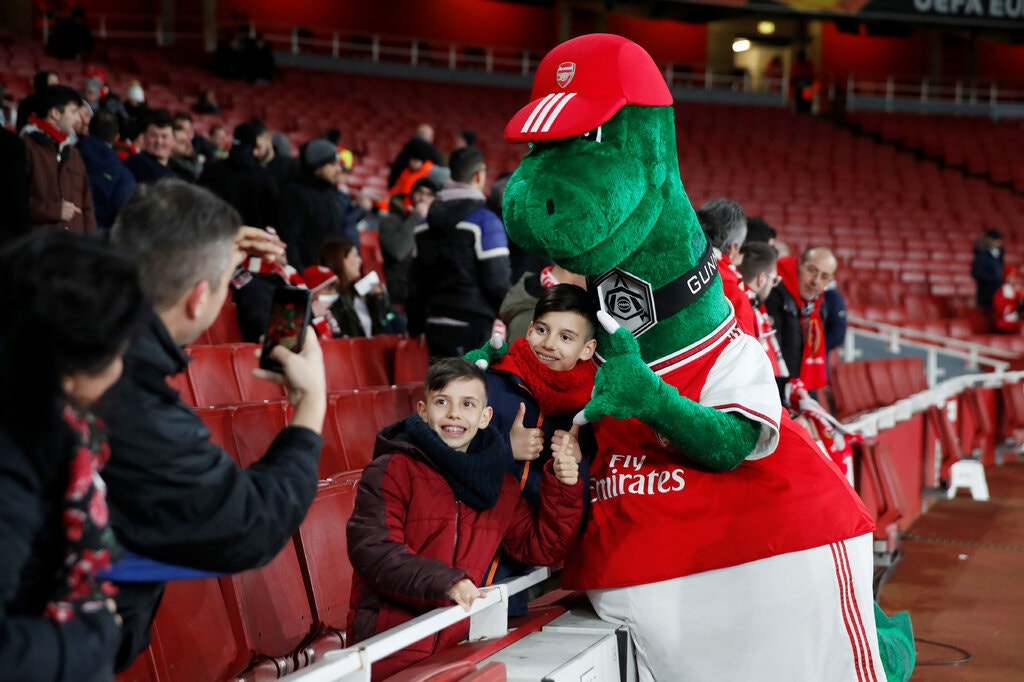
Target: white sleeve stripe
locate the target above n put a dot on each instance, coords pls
(556, 112)
(533, 114)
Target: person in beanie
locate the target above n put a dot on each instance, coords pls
(435, 504)
(418, 166)
(312, 209)
(461, 271)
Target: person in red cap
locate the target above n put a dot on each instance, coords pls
(1007, 302)
(718, 533)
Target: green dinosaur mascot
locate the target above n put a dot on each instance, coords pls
(719, 533)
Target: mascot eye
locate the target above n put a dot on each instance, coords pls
(593, 136)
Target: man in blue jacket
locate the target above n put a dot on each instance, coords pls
(110, 181)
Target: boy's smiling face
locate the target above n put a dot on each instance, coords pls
(561, 339)
(457, 412)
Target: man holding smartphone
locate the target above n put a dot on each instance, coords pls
(174, 496)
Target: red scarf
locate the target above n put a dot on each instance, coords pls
(89, 541)
(555, 392)
(812, 366)
(48, 128)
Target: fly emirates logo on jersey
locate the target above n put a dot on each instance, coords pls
(626, 475)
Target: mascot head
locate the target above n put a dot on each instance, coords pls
(599, 191)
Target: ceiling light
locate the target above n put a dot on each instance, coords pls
(766, 27)
(740, 45)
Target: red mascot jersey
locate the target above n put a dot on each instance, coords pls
(655, 515)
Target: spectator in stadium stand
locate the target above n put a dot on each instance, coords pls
(15, 218)
(92, 93)
(71, 38)
(71, 306)
(110, 182)
(333, 135)
(461, 271)
(207, 103)
(759, 273)
(425, 133)
(835, 331)
(282, 166)
(801, 82)
(987, 267)
(185, 162)
(135, 104)
(153, 162)
(357, 314)
(801, 317)
(760, 231)
(418, 165)
(59, 194)
(242, 181)
(28, 105)
(397, 241)
(436, 503)
(221, 141)
(1007, 302)
(175, 496)
(312, 209)
(725, 225)
(202, 146)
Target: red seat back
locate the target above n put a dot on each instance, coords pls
(952, 451)
(356, 420)
(225, 328)
(323, 552)
(245, 361)
(412, 359)
(183, 385)
(212, 373)
(369, 361)
(255, 426)
(880, 379)
(339, 365)
(218, 421)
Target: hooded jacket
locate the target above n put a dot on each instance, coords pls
(461, 269)
(111, 183)
(411, 538)
(56, 174)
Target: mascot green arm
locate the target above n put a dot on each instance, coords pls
(612, 200)
(717, 440)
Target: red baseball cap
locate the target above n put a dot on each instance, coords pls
(582, 83)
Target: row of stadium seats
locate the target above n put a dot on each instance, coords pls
(859, 387)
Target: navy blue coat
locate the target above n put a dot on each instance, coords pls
(110, 181)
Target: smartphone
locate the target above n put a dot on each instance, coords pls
(290, 314)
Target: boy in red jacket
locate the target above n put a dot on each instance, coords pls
(434, 506)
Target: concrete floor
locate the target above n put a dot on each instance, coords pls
(962, 580)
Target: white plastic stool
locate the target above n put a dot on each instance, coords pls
(968, 473)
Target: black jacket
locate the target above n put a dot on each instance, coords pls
(176, 497)
(313, 210)
(987, 271)
(241, 181)
(461, 269)
(32, 646)
(785, 314)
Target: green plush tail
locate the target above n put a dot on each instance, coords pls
(896, 644)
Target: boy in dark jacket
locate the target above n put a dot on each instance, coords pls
(435, 504)
(535, 390)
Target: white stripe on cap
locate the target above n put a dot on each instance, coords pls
(556, 112)
(536, 109)
(542, 114)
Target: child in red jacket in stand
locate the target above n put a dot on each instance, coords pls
(436, 503)
(1006, 302)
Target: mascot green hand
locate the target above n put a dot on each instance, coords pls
(713, 518)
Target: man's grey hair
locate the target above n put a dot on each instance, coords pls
(724, 223)
(178, 235)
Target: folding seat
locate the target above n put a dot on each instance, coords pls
(274, 609)
(877, 472)
(339, 365)
(322, 548)
(212, 374)
(958, 328)
(225, 328)
(369, 362)
(181, 383)
(880, 380)
(355, 418)
(195, 634)
(412, 359)
(244, 361)
(391, 404)
(218, 421)
(908, 376)
(255, 426)
(369, 249)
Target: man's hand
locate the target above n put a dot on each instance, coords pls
(567, 443)
(304, 379)
(68, 211)
(265, 244)
(526, 443)
(464, 592)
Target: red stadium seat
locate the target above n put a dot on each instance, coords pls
(880, 379)
(245, 361)
(142, 669)
(884, 483)
(368, 357)
(952, 451)
(908, 374)
(181, 383)
(255, 426)
(323, 556)
(412, 359)
(355, 418)
(339, 365)
(218, 421)
(212, 374)
(225, 328)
